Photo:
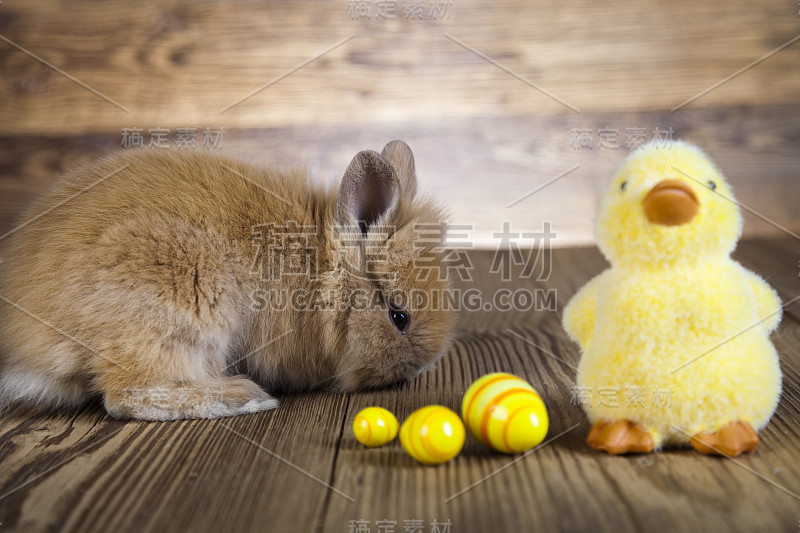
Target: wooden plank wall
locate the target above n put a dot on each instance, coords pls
(483, 136)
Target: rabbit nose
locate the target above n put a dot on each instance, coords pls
(670, 203)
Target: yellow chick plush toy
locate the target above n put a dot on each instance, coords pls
(675, 335)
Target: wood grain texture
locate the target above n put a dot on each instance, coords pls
(82, 471)
(477, 167)
(105, 475)
(184, 61)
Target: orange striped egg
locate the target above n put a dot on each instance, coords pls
(375, 426)
(505, 413)
(432, 435)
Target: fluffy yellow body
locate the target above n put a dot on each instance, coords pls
(432, 435)
(375, 426)
(505, 413)
(674, 319)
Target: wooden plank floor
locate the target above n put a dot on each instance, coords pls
(299, 468)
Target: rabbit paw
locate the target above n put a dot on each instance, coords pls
(223, 397)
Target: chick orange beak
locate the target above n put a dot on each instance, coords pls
(670, 203)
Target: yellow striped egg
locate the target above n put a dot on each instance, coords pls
(375, 426)
(432, 435)
(505, 413)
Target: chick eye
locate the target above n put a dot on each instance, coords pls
(623, 186)
(712, 185)
(400, 319)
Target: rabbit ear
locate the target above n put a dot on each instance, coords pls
(370, 190)
(399, 155)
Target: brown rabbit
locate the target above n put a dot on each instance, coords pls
(168, 283)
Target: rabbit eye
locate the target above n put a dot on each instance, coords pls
(623, 186)
(712, 185)
(400, 319)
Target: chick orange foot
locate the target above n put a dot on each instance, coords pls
(732, 440)
(620, 436)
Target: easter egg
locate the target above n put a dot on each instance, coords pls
(375, 426)
(505, 413)
(432, 435)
